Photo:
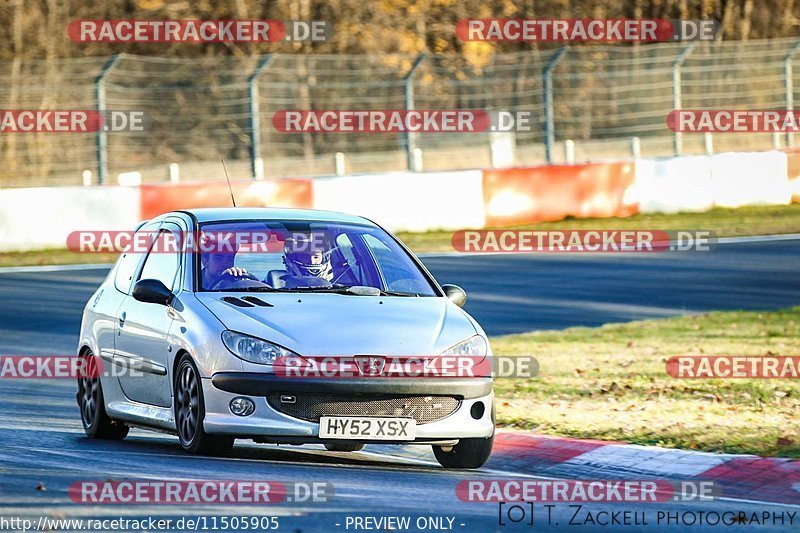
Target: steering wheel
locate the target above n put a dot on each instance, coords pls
(227, 277)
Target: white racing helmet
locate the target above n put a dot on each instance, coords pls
(308, 254)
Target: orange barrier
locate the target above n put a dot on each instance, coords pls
(164, 197)
(536, 194)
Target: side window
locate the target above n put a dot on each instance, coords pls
(125, 271)
(162, 264)
(126, 268)
(345, 247)
(350, 274)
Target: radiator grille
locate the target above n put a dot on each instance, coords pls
(311, 406)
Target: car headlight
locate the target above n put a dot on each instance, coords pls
(254, 350)
(475, 346)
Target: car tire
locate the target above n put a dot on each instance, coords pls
(468, 453)
(344, 446)
(96, 422)
(190, 411)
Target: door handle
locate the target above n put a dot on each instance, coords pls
(122, 319)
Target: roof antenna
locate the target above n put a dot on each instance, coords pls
(233, 201)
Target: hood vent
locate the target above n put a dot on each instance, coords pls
(257, 301)
(233, 300)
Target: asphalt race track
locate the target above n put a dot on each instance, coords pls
(517, 293)
(43, 445)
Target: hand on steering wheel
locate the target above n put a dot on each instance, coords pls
(233, 273)
(237, 272)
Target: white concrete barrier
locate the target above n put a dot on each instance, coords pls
(407, 201)
(672, 185)
(40, 218)
(750, 178)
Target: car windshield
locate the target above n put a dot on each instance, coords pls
(304, 256)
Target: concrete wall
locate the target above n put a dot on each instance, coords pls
(406, 201)
(43, 217)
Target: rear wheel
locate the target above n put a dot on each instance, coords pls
(190, 412)
(344, 446)
(96, 422)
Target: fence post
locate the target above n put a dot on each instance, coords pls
(677, 139)
(549, 120)
(339, 164)
(788, 84)
(708, 141)
(636, 147)
(408, 97)
(256, 170)
(569, 151)
(101, 139)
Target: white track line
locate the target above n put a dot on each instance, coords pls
(759, 238)
(54, 268)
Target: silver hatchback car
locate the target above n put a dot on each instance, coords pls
(200, 338)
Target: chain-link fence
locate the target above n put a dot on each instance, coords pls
(587, 102)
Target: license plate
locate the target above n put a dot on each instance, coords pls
(367, 428)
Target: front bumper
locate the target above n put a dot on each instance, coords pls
(266, 423)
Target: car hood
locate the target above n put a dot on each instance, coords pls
(337, 324)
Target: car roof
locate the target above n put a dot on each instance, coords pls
(222, 214)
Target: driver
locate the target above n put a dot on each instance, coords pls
(215, 266)
(308, 255)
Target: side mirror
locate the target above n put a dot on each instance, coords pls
(152, 291)
(455, 294)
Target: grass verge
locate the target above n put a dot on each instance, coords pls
(610, 383)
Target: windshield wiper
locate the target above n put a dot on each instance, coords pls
(358, 290)
(336, 288)
(395, 293)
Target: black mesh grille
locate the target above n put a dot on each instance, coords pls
(311, 407)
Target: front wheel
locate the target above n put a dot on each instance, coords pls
(468, 453)
(96, 422)
(190, 412)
